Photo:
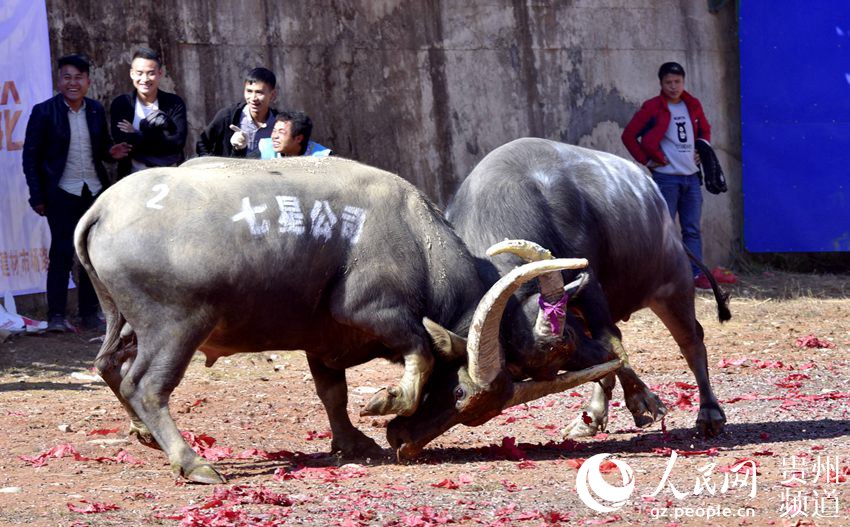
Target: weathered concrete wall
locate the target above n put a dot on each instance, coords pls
(427, 88)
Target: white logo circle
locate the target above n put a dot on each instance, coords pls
(590, 475)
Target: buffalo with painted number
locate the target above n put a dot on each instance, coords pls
(339, 259)
(576, 201)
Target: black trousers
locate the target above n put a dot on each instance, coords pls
(63, 213)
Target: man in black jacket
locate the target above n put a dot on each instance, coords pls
(236, 131)
(66, 142)
(153, 121)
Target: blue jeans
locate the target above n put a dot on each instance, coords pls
(684, 196)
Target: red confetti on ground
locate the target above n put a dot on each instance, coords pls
(446, 484)
(326, 474)
(811, 341)
(526, 464)
(92, 507)
(311, 435)
(103, 432)
(68, 450)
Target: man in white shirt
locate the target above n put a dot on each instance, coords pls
(66, 142)
(661, 136)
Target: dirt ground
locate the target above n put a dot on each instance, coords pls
(780, 369)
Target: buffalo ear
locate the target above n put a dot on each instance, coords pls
(450, 346)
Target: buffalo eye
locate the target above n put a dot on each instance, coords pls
(460, 393)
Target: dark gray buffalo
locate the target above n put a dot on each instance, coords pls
(342, 260)
(575, 201)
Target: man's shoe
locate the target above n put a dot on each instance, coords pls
(93, 323)
(57, 324)
(701, 282)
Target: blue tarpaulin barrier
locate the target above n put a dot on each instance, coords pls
(795, 125)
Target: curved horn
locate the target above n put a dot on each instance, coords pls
(485, 355)
(531, 390)
(551, 285)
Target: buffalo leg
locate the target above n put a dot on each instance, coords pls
(159, 366)
(594, 416)
(403, 399)
(688, 334)
(112, 369)
(645, 406)
(333, 392)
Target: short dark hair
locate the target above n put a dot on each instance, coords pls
(670, 68)
(79, 61)
(261, 75)
(147, 54)
(301, 124)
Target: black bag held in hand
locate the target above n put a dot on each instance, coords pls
(712, 174)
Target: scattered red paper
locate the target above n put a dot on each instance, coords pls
(446, 484)
(221, 509)
(311, 435)
(92, 507)
(742, 465)
(725, 363)
(576, 462)
(507, 450)
(426, 517)
(509, 486)
(326, 474)
(103, 431)
(527, 463)
(68, 450)
(811, 341)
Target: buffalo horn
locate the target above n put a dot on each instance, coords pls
(485, 354)
(530, 390)
(551, 285)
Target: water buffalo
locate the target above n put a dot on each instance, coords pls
(576, 201)
(327, 255)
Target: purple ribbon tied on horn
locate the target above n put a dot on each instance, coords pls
(553, 312)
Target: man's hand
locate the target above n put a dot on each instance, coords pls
(654, 164)
(120, 151)
(238, 139)
(696, 158)
(127, 127)
(40, 209)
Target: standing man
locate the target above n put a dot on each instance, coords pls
(153, 121)
(661, 136)
(235, 131)
(66, 142)
(291, 137)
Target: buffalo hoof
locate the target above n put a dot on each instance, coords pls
(143, 435)
(711, 420)
(202, 473)
(387, 402)
(357, 445)
(587, 424)
(646, 408)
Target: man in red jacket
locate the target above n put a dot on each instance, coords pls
(661, 136)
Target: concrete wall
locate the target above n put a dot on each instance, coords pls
(426, 88)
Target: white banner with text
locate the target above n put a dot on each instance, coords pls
(25, 80)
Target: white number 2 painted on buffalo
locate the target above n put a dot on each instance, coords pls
(153, 203)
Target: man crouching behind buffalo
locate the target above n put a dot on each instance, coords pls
(66, 142)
